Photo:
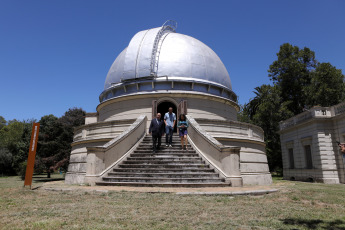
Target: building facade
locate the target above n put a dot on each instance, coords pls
(309, 145)
(160, 69)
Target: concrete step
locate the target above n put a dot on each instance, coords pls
(162, 180)
(149, 148)
(168, 167)
(165, 151)
(149, 137)
(163, 141)
(155, 158)
(151, 154)
(163, 161)
(157, 184)
(165, 175)
(175, 165)
(141, 146)
(163, 170)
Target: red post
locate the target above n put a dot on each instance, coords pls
(32, 153)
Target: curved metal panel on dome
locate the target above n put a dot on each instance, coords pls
(184, 56)
(116, 69)
(178, 55)
(138, 56)
(131, 56)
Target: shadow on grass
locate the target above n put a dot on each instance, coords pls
(315, 224)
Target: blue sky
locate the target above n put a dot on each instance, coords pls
(55, 55)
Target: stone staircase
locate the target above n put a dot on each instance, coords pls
(168, 167)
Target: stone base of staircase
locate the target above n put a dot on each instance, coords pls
(168, 167)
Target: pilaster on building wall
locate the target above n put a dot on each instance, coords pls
(310, 151)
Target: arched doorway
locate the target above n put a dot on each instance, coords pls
(163, 108)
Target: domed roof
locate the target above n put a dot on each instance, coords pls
(170, 62)
(177, 55)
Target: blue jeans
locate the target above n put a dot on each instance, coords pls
(168, 132)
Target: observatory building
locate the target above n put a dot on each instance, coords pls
(160, 69)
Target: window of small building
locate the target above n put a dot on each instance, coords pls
(291, 159)
(308, 159)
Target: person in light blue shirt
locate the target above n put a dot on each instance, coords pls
(169, 120)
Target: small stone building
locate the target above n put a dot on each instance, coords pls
(160, 69)
(309, 145)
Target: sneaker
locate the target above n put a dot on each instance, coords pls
(170, 145)
(166, 145)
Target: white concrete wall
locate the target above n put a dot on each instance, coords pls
(131, 107)
(77, 164)
(322, 135)
(253, 162)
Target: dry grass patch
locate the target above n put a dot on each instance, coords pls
(298, 206)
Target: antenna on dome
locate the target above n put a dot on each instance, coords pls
(168, 27)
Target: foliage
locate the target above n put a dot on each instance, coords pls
(15, 137)
(5, 162)
(53, 147)
(326, 87)
(291, 73)
(55, 138)
(299, 82)
(22, 171)
(48, 145)
(2, 122)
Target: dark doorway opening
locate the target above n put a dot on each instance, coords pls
(163, 108)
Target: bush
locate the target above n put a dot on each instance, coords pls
(5, 162)
(22, 170)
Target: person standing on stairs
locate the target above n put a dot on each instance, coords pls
(157, 130)
(170, 121)
(182, 125)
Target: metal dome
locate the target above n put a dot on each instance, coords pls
(161, 54)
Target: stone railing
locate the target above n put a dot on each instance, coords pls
(102, 159)
(231, 129)
(105, 129)
(315, 112)
(226, 160)
(339, 108)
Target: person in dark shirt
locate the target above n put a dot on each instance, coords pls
(157, 131)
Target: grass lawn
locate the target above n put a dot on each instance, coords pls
(297, 205)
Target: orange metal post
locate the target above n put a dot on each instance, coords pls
(32, 153)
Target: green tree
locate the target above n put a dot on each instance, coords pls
(327, 86)
(2, 122)
(48, 145)
(299, 82)
(74, 117)
(5, 162)
(15, 139)
(55, 138)
(265, 110)
(291, 73)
